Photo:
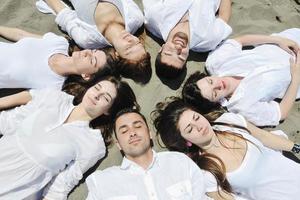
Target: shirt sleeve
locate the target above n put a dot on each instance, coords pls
(11, 119)
(66, 180)
(210, 182)
(226, 50)
(260, 113)
(77, 29)
(93, 191)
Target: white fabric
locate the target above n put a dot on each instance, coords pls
(266, 72)
(206, 30)
(80, 24)
(37, 146)
(24, 64)
(171, 175)
(264, 174)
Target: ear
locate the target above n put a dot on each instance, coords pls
(160, 49)
(118, 145)
(117, 54)
(86, 77)
(150, 134)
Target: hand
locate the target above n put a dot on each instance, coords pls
(288, 45)
(295, 67)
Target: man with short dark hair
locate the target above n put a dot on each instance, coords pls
(145, 174)
(185, 25)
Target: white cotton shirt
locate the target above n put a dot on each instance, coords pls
(80, 23)
(264, 174)
(46, 149)
(206, 30)
(266, 76)
(171, 175)
(25, 63)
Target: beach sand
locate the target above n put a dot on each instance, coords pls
(254, 16)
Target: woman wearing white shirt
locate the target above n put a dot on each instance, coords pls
(49, 141)
(248, 81)
(36, 61)
(97, 24)
(242, 157)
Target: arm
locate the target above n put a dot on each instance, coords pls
(220, 195)
(225, 10)
(15, 34)
(56, 5)
(286, 44)
(15, 100)
(269, 139)
(291, 93)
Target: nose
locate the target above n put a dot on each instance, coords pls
(132, 132)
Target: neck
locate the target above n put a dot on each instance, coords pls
(62, 64)
(78, 114)
(143, 160)
(212, 145)
(181, 26)
(235, 81)
(113, 31)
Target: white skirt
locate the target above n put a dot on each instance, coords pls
(20, 176)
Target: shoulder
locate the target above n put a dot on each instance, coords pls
(100, 176)
(172, 156)
(53, 37)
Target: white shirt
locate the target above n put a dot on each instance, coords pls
(80, 23)
(206, 30)
(66, 150)
(171, 175)
(25, 63)
(266, 72)
(264, 174)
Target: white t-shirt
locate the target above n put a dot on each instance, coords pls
(264, 174)
(171, 175)
(266, 72)
(206, 30)
(24, 64)
(80, 23)
(45, 147)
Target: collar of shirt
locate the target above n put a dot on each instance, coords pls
(130, 165)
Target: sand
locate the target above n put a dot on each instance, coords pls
(253, 16)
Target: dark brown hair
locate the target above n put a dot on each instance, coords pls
(125, 98)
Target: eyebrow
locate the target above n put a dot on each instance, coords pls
(212, 92)
(189, 125)
(105, 92)
(134, 123)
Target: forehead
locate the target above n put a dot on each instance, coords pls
(185, 118)
(172, 59)
(108, 87)
(128, 119)
(204, 87)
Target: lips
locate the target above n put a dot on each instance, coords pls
(134, 140)
(181, 39)
(223, 84)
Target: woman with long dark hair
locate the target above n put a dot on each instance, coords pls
(54, 137)
(243, 158)
(248, 81)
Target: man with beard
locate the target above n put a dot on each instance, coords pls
(145, 174)
(185, 25)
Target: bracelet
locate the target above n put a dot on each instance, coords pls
(296, 148)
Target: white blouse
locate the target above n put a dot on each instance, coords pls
(206, 30)
(66, 150)
(266, 76)
(80, 24)
(264, 173)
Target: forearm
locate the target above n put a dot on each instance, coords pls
(269, 139)
(220, 195)
(289, 98)
(225, 10)
(15, 100)
(15, 34)
(56, 5)
(247, 40)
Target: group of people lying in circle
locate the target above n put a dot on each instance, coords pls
(58, 128)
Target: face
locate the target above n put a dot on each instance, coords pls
(215, 88)
(133, 135)
(99, 98)
(88, 61)
(195, 128)
(129, 47)
(175, 51)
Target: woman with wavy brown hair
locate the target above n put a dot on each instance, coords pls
(54, 137)
(243, 158)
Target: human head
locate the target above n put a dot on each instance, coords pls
(140, 71)
(166, 118)
(132, 133)
(192, 95)
(171, 59)
(124, 98)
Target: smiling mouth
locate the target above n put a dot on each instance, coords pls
(223, 84)
(180, 39)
